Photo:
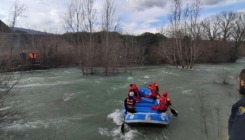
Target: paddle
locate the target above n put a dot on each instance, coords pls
(173, 112)
(122, 127)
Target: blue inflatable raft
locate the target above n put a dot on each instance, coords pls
(143, 113)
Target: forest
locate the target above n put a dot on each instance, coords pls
(185, 41)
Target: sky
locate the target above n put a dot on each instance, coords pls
(136, 16)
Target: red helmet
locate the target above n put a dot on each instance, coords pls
(154, 83)
(165, 93)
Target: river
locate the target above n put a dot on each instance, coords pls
(62, 104)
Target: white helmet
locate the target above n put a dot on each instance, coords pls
(131, 93)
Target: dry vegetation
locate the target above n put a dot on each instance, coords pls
(185, 41)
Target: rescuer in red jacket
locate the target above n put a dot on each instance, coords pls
(164, 102)
(153, 93)
(135, 90)
(156, 87)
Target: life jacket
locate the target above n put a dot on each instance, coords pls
(153, 90)
(164, 103)
(130, 103)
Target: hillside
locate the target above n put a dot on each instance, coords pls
(29, 31)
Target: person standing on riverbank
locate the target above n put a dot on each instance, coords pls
(33, 57)
(23, 55)
(236, 123)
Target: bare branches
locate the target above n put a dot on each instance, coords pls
(203, 111)
(16, 11)
(227, 19)
(185, 29)
(210, 28)
(238, 30)
(8, 105)
(224, 76)
(108, 15)
(74, 18)
(90, 15)
(108, 24)
(90, 19)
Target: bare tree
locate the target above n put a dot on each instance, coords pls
(210, 28)
(109, 23)
(131, 53)
(195, 33)
(173, 51)
(184, 32)
(90, 19)
(74, 22)
(227, 19)
(237, 35)
(15, 12)
(168, 51)
(238, 30)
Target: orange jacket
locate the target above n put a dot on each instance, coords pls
(33, 55)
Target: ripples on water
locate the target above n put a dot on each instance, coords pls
(62, 101)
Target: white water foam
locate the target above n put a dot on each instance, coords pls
(170, 73)
(116, 117)
(8, 83)
(40, 85)
(240, 60)
(130, 78)
(67, 96)
(124, 86)
(146, 77)
(116, 133)
(187, 92)
(21, 125)
(120, 102)
(120, 87)
(104, 132)
(5, 108)
(33, 124)
(67, 71)
(32, 79)
(180, 87)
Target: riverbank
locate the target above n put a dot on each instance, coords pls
(98, 70)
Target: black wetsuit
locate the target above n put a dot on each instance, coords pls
(129, 104)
